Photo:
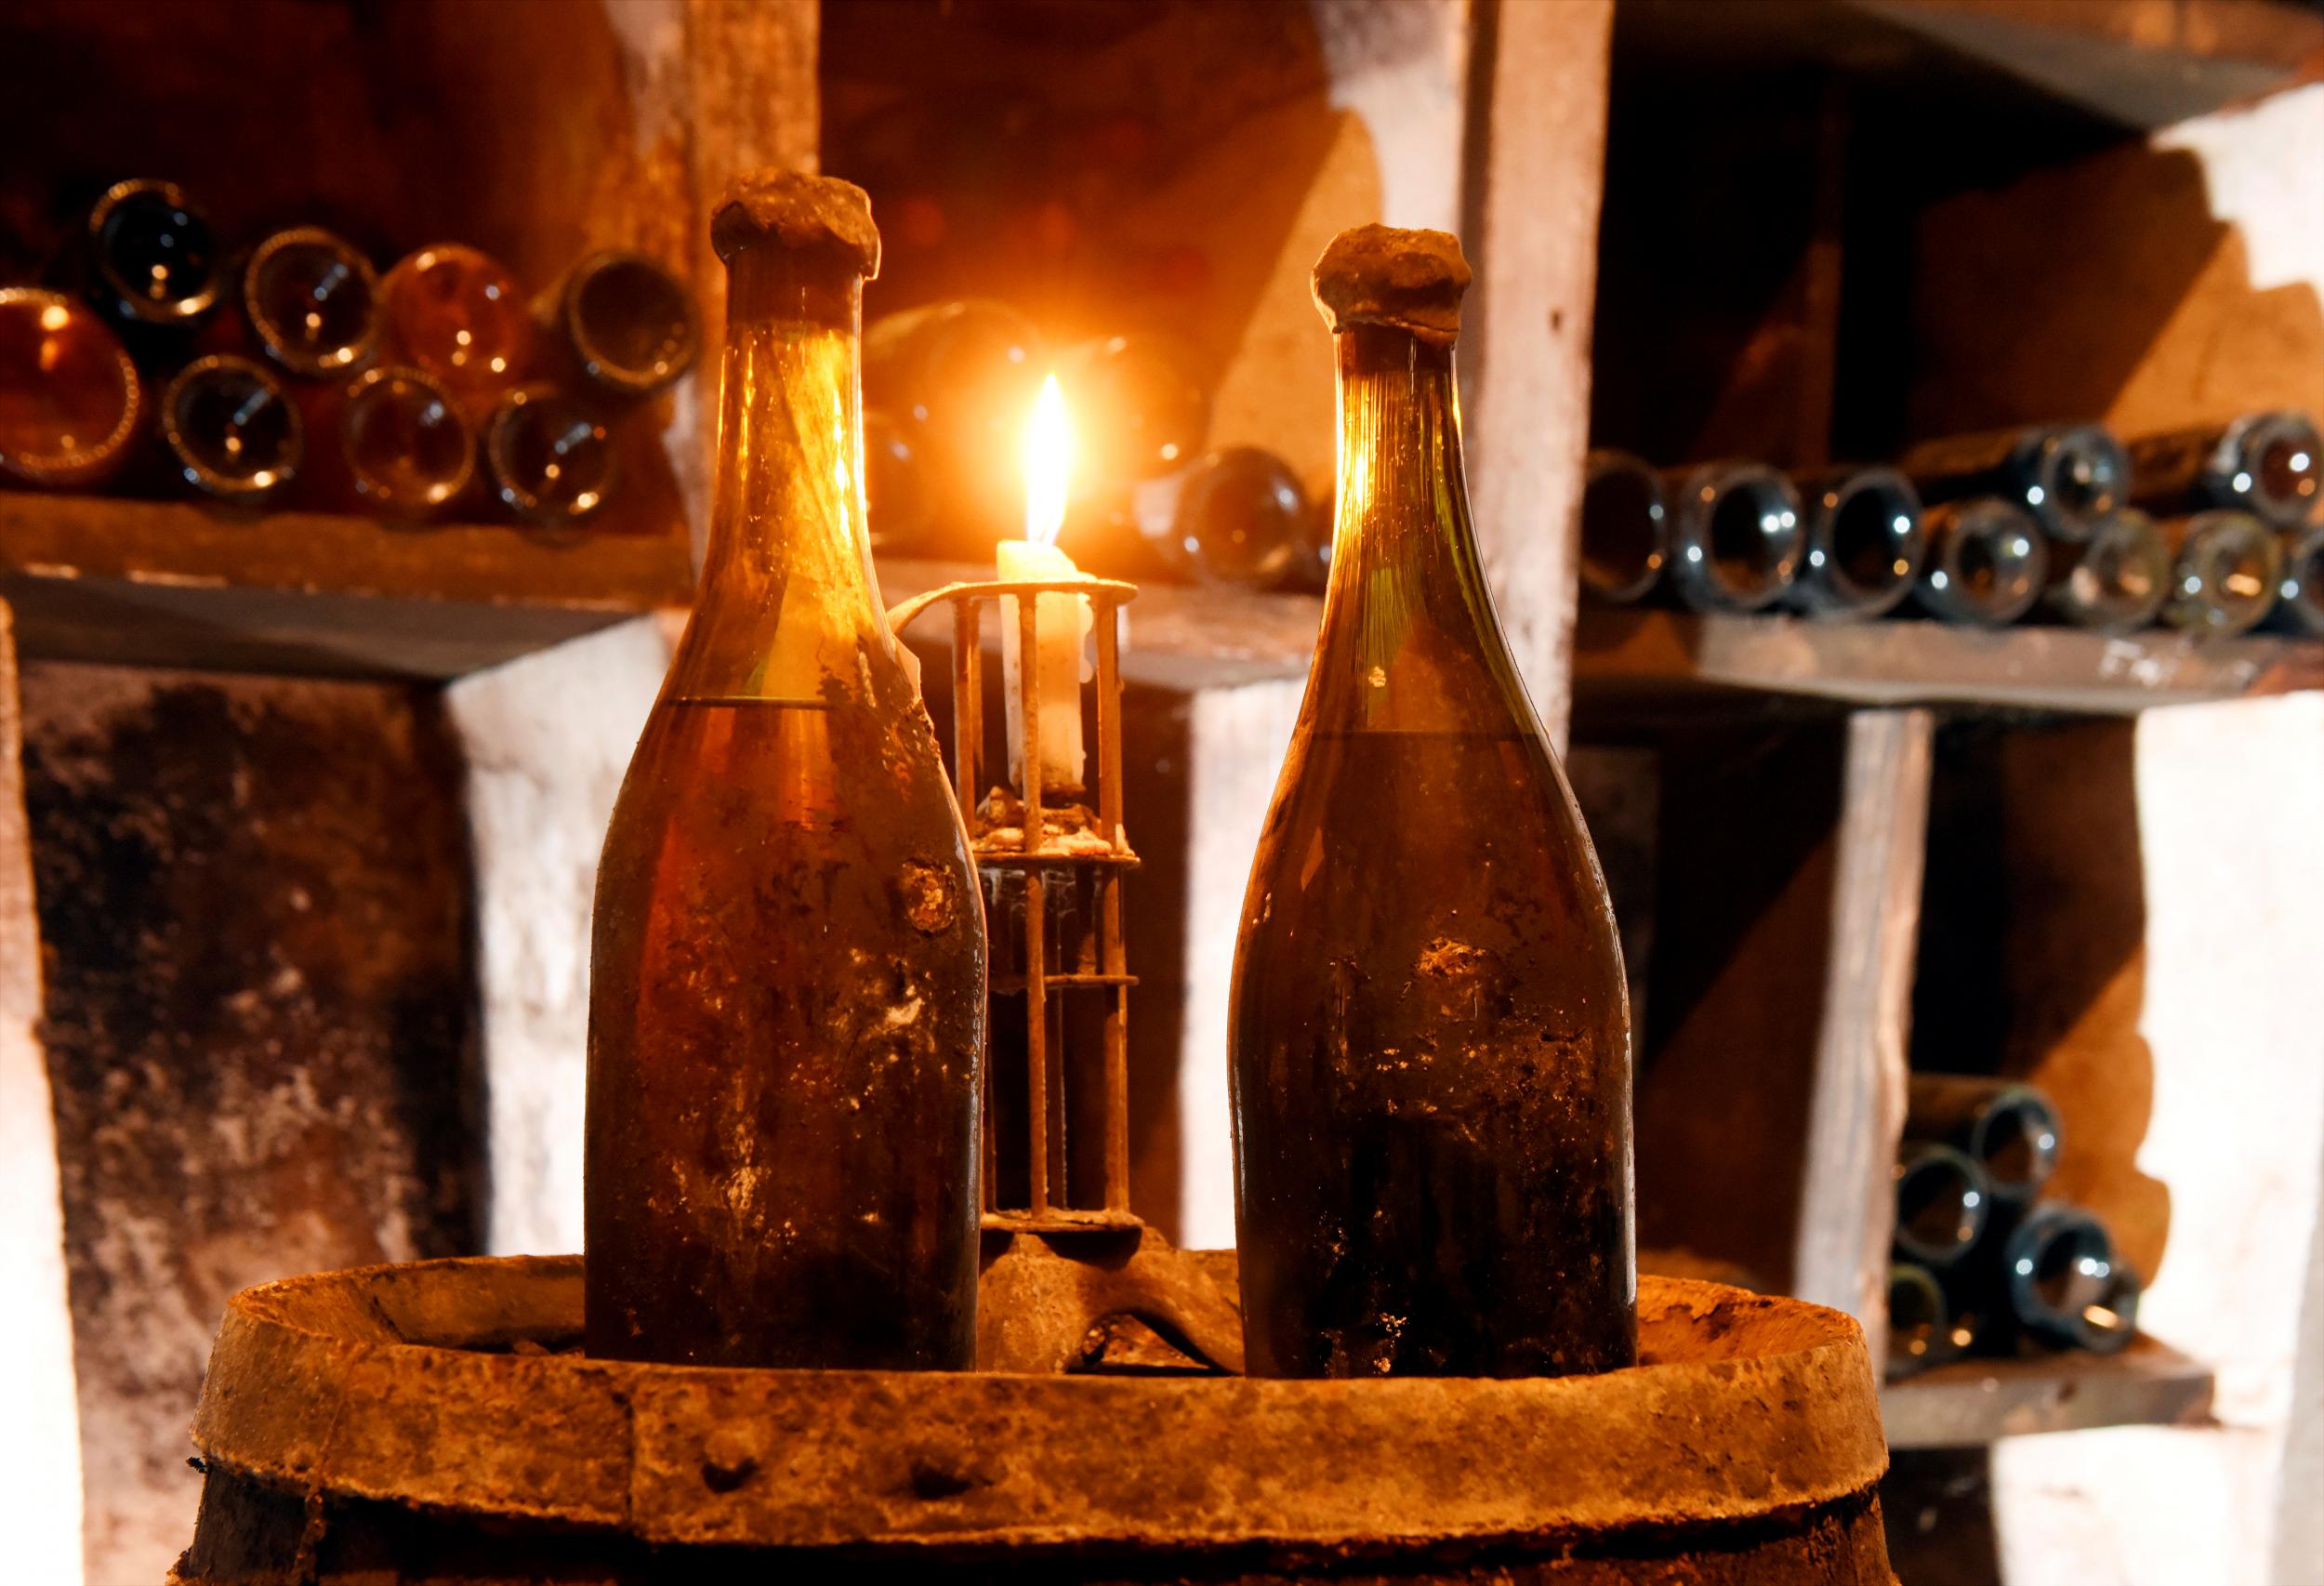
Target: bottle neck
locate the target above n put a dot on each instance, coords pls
(1409, 632)
(787, 597)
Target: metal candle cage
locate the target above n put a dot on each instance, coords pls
(1070, 851)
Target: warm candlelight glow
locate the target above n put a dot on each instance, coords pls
(1048, 453)
(1061, 622)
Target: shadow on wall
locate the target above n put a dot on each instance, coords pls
(2032, 956)
(2107, 288)
(1099, 167)
(253, 912)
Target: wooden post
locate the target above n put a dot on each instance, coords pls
(1856, 1108)
(1536, 161)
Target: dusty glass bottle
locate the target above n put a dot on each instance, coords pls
(1429, 1031)
(787, 1011)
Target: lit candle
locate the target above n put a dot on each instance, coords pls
(1060, 622)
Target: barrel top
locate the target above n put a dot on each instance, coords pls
(444, 1384)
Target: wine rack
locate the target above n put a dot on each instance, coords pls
(172, 583)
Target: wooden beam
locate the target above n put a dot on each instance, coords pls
(1856, 1109)
(1536, 165)
(1630, 661)
(171, 583)
(1972, 1402)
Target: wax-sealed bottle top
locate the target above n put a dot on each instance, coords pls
(800, 213)
(1408, 278)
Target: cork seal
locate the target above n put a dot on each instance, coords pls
(798, 213)
(1385, 275)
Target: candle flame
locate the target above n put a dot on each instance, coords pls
(1048, 456)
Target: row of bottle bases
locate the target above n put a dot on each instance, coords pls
(1982, 1265)
(153, 360)
(156, 361)
(2209, 530)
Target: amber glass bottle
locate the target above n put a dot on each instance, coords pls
(627, 324)
(152, 263)
(71, 403)
(2227, 572)
(549, 459)
(230, 430)
(2115, 581)
(312, 299)
(2270, 465)
(962, 379)
(456, 312)
(786, 1009)
(1429, 1032)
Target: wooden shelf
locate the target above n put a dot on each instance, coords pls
(166, 583)
(1972, 1402)
(1649, 658)
(2136, 63)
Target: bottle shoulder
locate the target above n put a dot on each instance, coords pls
(1376, 829)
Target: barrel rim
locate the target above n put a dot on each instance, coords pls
(312, 1389)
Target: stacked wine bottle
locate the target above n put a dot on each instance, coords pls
(1982, 1265)
(945, 388)
(156, 359)
(2212, 529)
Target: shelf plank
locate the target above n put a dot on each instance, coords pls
(2129, 63)
(1625, 658)
(168, 583)
(1972, 1402)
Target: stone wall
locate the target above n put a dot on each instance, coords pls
(253, 898)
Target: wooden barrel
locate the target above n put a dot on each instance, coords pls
(435, 1424)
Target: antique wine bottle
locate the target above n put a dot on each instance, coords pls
(2227, 570)
(1736, 537)
(454, 312)
(2115, 581)
(2062, 1284)
(786, 1008)
(550, 461)
(1429, 1031)
(70, 398)
(1919, 1321)
(1942, 1204)
(1240, 518)
(313, 301)
(1986, 565)
(153, 266)
(962, 375)
(1625, 528)
(404, 448)
(2008, 1130)
(231, 430)
(2300, 592)
(896, 490)
(1136, 398)
(624, 324)
(1865, 542)
(2069, 476)
(2267, 463)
